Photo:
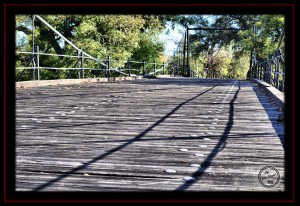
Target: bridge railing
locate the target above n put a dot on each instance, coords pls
(79, 70)
(35, 65)
(270, 70)
(98, 67)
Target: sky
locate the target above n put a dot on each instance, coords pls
(172, 38)
(175, 36)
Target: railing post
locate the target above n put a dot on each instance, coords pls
(175, 69)
(154, 68)
(260, 71)
(270, 69)
(163, 68)
(33, 69)
(108, 67)
(283, 77)
(78, 71)
(188, 69)
(265, 69)
(144, 64)
(250, 61)
(278, 54)
(82, 64)
(37, 62)
(274, 69)
(128, 64)
(255, 71)
(33, 47)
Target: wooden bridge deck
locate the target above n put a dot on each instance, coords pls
(125, 136)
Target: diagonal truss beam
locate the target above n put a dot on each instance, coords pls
(64, 38)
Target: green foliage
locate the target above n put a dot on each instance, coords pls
(215, 64)
(266, 38)
(150, 49)
(135, 37)
(264, 42)
(238, 67)
(119, 36)
(198, 66)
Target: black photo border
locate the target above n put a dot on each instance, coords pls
(10, 195)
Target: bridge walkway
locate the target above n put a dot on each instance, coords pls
(160, 134)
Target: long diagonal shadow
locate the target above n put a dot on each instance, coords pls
(219, 146)
(51, 182)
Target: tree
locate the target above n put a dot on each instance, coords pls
(118, 36)
(238, 67)
(263, 42)
(135, 37)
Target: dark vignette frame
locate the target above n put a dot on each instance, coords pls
(9, 108)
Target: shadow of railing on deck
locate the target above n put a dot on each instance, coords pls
(219, 147)
(51, 182)
(270, 112)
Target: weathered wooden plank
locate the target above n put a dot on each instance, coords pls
(124, 135)
(227, 181)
